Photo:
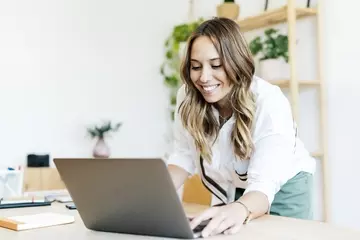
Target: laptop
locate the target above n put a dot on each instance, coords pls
(130, 196)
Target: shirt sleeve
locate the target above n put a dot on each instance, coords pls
(183, 152)
(271, 164)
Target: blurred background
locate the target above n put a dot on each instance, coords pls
(69, 66)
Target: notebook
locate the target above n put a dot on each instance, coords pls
(23, 201)
(40, 220)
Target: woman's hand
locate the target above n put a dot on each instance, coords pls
(227, 219)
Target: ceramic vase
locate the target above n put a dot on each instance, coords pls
(274, 69)
(101, 149)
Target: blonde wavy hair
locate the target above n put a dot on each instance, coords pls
(196, 114)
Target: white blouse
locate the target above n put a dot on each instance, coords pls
(278, 156)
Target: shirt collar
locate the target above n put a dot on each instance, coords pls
(216, 114)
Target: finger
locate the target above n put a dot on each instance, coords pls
(207, 214)
(213, 225)
(223, 226)
(235, 229)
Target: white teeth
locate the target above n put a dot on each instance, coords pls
(209, 88)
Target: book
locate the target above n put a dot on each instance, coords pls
(40, 220)
(22, 205)
(23, 199)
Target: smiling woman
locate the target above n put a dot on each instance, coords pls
(237, 131)
(203, 69)
(213, 65)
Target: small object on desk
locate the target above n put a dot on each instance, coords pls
(64, 199)
(61, 196)
(18, 223)
(71, 206)
(60, 199)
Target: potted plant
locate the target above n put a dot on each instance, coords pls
(174, 50)
(228, 9)
(101, 149)
(273, 51)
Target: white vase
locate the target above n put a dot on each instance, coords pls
(274, 69)
(101, 149)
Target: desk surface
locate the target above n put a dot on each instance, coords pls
(267, 227)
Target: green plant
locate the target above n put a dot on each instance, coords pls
(100, 131)
(274, 45)
(170, 69)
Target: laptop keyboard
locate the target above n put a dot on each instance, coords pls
(201, 226)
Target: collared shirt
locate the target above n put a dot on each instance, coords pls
(278, 155)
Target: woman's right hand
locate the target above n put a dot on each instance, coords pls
(178, 175)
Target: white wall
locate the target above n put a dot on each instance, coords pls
(67, 64)
(341, 39)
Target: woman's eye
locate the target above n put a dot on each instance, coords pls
(195, 68)
(216, 66)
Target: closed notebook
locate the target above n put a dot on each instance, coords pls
(33, 221)
(23, 199)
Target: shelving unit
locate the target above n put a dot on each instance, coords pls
(285, 83)
(290, 14)
(272, 17)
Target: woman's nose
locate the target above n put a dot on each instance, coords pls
(205, 75)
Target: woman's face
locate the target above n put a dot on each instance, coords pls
(207, 71)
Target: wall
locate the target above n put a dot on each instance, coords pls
(69, 64)
(341, 49)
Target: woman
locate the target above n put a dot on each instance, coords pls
(236, 131)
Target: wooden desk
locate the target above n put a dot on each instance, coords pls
(265, 228)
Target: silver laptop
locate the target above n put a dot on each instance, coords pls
(132, 196)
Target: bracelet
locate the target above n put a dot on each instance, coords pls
(247, 219)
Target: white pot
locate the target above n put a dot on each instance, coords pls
(274, 69)
(101, 149)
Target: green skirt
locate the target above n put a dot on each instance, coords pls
(294, 198)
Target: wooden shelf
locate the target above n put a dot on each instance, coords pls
(272, 17)
(286, 83)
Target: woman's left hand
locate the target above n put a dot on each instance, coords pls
(227, 219)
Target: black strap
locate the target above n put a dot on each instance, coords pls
(211, 181)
